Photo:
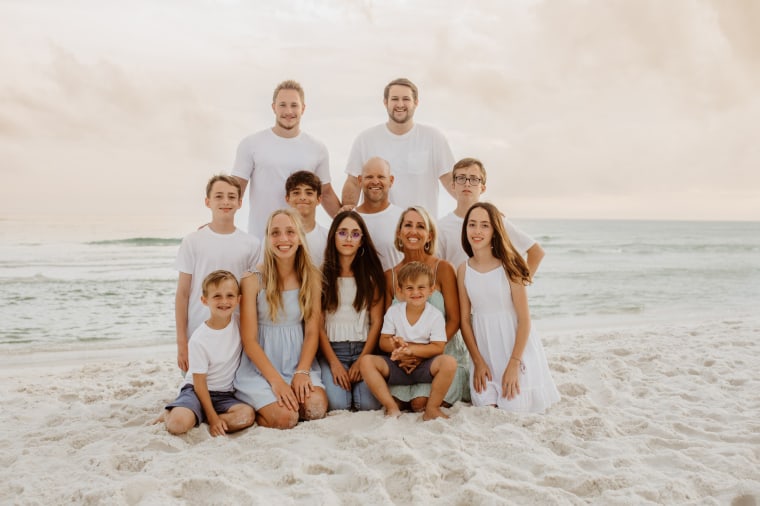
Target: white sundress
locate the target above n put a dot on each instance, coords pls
(494, 323)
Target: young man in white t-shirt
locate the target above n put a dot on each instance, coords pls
(265, 159)
(419, 155)
(218, 245)
(303, 192)
(215, 349)
(468, 182)
(416, 328)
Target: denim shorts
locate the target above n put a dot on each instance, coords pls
(187, 398)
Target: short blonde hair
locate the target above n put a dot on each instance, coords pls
(216, 278)
(412, 271)
(288, 85)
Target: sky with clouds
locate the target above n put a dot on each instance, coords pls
(632, 109)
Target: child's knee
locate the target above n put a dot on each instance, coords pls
(367, 363)
(446, 363)
(178, 422)
(241, 416)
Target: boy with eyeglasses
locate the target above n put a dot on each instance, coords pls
(303, 192)
(468, 182)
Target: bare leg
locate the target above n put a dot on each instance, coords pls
(276, 417)
(315, 406)
(238, 417)
(180, 420)
(375, 371)
(443, 369)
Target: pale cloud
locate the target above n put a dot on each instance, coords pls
(579, 109)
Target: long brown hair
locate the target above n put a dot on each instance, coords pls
(366, 266)
(307, 273)
(501, 247)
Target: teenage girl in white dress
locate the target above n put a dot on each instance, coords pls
(509, 367)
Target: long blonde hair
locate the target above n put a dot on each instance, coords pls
(308, 274)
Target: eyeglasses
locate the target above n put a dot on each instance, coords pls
(346, 235)
(474, 180)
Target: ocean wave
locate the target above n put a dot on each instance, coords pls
(138, 241)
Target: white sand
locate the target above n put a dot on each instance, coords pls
(665, 415)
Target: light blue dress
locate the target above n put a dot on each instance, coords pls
(282, 342)
(460, 386)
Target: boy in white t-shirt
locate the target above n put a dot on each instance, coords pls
(468, 183)
(214, 356)
(413, 327)
(218, 245)
(303, 192)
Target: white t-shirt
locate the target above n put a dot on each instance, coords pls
(417, 159)
(382, 227)
(450, 239)
(266, 160)
(316, 241)
(205, 251)
(431, 326)
(215, 353)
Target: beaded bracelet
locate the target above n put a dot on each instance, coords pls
(307, 373)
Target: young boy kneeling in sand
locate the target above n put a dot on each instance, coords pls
(214, 355)
(411, 328)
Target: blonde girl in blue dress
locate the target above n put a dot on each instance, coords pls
(280, 316)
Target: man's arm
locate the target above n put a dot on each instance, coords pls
(535, 255)
(446, 182)
(350, 193)
(330, 200)
(243, 185)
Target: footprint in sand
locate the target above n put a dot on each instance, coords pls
(744, 500)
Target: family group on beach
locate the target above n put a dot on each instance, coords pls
(386, 309)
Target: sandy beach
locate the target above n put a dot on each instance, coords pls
(652, 415)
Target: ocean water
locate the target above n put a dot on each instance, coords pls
(61, 293)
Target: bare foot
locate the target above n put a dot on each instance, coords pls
(392, 413)
(433, 413)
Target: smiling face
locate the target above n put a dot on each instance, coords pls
(479, 229)
(288, 109)
(304, 199)
(400, 104)
(416, 291)
(223, 200)
(222, 298)
(348, 237)
(282, 236)
(376, 181)
(413, 233)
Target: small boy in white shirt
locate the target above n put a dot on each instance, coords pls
(303, 192)
(411, 328)
(207, 395)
